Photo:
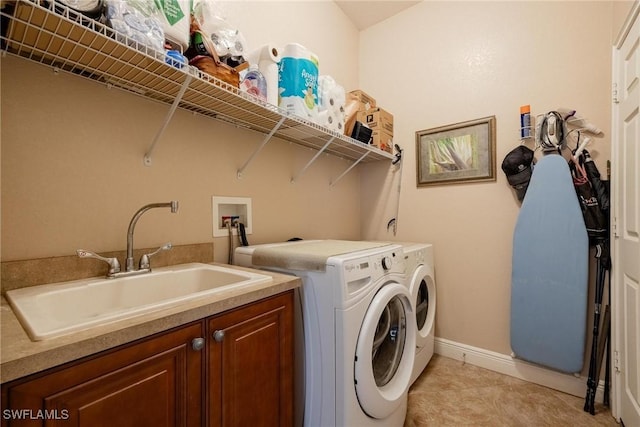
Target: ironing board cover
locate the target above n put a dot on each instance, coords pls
(549, 282)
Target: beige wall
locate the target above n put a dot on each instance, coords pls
(72, 149)
(439, 63)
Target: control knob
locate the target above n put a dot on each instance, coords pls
(386, 263)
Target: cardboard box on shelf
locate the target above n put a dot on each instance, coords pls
(377, 118)
(365, 101)
(382, 139)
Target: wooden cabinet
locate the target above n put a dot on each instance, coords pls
(153, 382)
(183, 377)
(251, 365)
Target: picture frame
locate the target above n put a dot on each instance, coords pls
(458, 153)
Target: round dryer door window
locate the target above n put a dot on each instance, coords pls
(422, 304)
(385, 352)
(423, 289)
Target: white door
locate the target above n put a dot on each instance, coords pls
(626, 220)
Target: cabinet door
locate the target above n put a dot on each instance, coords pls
(251, 365)
(154, 383)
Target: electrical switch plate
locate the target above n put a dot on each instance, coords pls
(230, 208)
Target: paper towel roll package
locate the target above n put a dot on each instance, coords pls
(331, 121)
(331, 104)
(267, 59)
(298, 82)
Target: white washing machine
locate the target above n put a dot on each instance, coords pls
(422, 287)
(358, 326)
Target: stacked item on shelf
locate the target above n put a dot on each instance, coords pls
(175, 18)
(137, 24)
(363, 112)
(361, 133)
(357, 100)
(331, 103)
(216, 48)
(298, 82)
(381, 123)
(93, 9)
(254, 83)
(267, 58)
(160, 29)
(229, 43)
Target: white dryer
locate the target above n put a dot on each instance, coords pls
(422, 287)
(359, 332)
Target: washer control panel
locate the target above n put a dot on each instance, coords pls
(373, 266)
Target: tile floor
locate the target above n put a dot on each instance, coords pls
(450, 393)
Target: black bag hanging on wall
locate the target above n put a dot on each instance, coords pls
(599, 186)
(594, 218)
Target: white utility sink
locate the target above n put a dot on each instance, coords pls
(57, 309)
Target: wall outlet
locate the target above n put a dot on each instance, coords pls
(230, 209)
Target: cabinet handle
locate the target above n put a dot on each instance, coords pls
(197, 344)
(218, 335)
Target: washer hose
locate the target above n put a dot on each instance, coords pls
(242, 235)
(230, 259)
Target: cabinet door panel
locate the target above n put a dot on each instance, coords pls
(251, 371)
(154, 383)
(147, 393)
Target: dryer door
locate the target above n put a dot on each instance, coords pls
(423, 293)
(385, 351)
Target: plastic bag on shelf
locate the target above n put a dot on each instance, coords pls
(203, 55)
(175, 16)
(139, 22)
(90, 8)
(229, 42)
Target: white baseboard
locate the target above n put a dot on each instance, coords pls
(505, 364)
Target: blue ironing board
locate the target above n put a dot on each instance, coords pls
(549, 279)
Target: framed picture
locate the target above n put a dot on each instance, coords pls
(462, 152)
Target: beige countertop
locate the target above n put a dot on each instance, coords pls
(20, 356)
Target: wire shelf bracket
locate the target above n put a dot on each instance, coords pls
(334, 182)
(167, 119)
(313, 159)
(266, 139)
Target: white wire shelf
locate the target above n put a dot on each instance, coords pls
(53, 35)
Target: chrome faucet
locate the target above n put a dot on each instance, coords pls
(144, 265)
(129, 265)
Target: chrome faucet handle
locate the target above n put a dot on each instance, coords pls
(114, 264)
(144, 259)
